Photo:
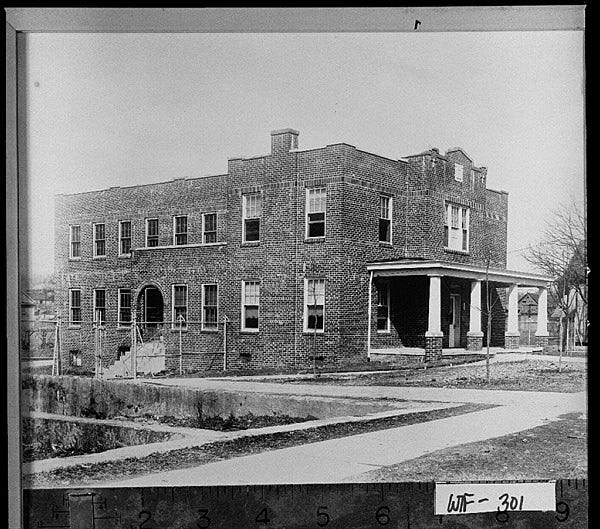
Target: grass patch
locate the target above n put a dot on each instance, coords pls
(79, 475)
(527, 375)
(232, 423)
(557, 450)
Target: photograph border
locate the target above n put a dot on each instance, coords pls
(20, 21)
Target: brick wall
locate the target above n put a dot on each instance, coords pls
(283, 257)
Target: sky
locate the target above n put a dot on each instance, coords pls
(122, 109)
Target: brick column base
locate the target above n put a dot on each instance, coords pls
(542, 341)
(511, 340)
(433, 348)
(474, 341)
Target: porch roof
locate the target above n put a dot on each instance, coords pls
(448, 269)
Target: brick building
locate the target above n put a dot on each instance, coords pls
(289, 248)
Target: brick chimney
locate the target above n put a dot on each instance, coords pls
(283, 140)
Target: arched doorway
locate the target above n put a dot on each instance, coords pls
(150, 307)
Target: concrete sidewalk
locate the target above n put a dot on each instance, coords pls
(345, 459)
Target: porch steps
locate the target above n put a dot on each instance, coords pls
(150, 360)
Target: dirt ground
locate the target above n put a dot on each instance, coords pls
(528, 375)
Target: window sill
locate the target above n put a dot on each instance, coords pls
(311, 332)
(123, 327)
(250, 244)
(125, 256)
(384, 332)
(74, 258)
(74, 327)
(249, 331)
(314, 239)
(385, 244)
(454, 250)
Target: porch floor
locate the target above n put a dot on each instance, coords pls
(456, 351)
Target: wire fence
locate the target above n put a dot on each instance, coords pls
(117, 349)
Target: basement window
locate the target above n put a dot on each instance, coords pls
(315, 212)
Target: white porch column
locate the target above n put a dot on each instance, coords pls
(475, 312)
(512, 327)
(369, 310)
(542, 317)
(434, 327)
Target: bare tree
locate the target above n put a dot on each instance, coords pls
(562, 254)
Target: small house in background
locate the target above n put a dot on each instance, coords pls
(528, 315)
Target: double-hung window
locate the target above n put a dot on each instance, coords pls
(251, 213)
(75, 306)
(458, 172)
(209, 307)
(383, 308)
(456, 228)
(315, 212)
(209, 228)
(124, 307)
(180, 303)
(385, 219)
(100, 306)
(151, 233)
(180, 230)
(314, 305)
(75, 242)
(125, 237)
(99, 240)
(250, 305)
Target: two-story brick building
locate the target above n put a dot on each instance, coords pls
(331, 252)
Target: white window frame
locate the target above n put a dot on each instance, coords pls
(102, 323)
(174, 322)
(463, 211)
(121, 222)
(146, 235)
(305, 317)
(73, 323)
(120, 322)
(387, 329)
(94, 240)
(71, 256)
(390, 217)
(307, 211)
(458, 172)
(216, 230)
(214, 328)
(187, 231)
(243, 321)
(245, 218)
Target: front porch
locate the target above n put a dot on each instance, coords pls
(437, 308)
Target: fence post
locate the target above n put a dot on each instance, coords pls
(180, 319)
(225, 320)
(134, 344)
(95, 327)
(99, 344)
(56, 354)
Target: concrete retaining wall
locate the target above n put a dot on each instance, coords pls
(87, 397)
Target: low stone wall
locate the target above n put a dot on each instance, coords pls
(44, 437)
(88, 397)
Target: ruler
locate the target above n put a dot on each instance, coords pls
(332, 506)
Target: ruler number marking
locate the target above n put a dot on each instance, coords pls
(263, 516)
(323, 515)
(204, 521)
(562, 511)
(383, 515)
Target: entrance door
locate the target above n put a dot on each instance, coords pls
(153, 306)
(454, 330)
